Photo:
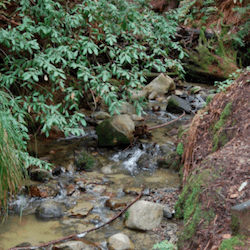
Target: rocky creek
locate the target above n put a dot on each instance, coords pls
(90, 185)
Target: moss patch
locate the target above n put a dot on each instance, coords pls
(180, 149)
(85, 161)
(190, 207)
(173, 103)
(220, 137)
(230, 244)
(172, 161)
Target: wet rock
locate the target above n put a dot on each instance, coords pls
(198, 103)
(126, 108)
(115, 203)
(81, 209)
(144, 215)
(132, 190)
(144, 162)
(70, 167)
(161, 85)
(109, 169)
(117, 130)
(153, 95)
(240, 221)
(100, 115)
(120, 242)
(167, 212)
(168, 147)
(73, 245)
(99, 189)
(40, 175)
(178, 105)
(136, 117)
(146, 192)
(195, 90)
(137, 94)
(58, 170)
(49, 210)
(85, 161)
(178, 92)
(43, 190)
(156, 108)
(172, 160)
(24, 244)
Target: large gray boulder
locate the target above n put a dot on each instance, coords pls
(117, 130)
(144, 215)
(120, 242)
(161, 85)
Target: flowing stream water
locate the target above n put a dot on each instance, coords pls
(118, 170)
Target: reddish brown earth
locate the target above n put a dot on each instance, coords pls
(232, 160)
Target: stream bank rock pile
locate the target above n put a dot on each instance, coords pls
(120, 129)
(216, 171)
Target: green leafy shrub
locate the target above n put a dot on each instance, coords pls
(59, 52)
(13, 144)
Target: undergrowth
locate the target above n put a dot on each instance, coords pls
(230, 244)
(189, 206)
(220, 137)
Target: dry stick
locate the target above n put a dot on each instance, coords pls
(84, 232)
(93, 96)
(8, 20)
(165, 124)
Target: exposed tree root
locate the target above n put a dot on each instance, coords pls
(75, 236)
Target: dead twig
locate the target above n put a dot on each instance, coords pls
(168, 123)
(8, 20)
(74, 236)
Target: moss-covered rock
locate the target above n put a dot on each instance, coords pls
(117, 130)
(85, 161)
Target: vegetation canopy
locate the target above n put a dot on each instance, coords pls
(61, 50)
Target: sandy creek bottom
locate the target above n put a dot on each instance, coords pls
(25, 227)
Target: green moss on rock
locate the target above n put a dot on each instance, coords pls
(85, 161)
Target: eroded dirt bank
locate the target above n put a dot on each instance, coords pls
(216, 163)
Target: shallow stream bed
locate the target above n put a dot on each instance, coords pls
(117, 176)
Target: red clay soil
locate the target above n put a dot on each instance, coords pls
(233, 160)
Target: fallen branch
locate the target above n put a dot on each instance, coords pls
(168, 123)
(73, 236)
(8, 20)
